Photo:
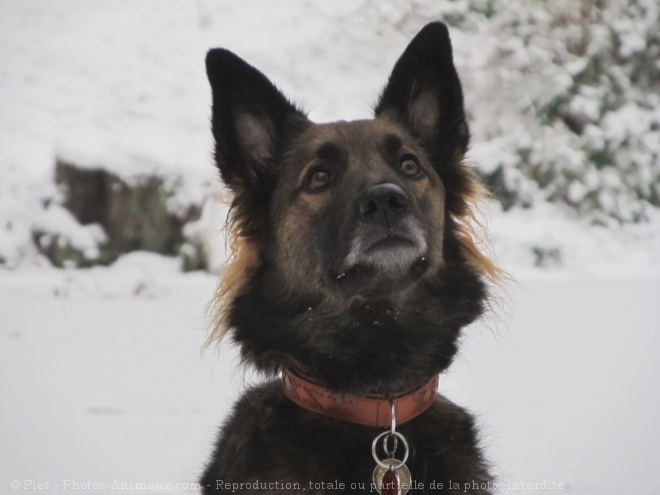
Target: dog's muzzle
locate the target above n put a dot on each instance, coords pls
(388, 236)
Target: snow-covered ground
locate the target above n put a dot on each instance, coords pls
(101, 377)
(102, 380)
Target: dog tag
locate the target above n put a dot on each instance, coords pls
(392, 480)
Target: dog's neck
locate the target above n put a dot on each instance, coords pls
(371, 411)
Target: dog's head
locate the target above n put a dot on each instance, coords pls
(352, 259)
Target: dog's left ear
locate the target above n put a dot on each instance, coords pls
(424, 93)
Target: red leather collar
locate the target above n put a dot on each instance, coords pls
(367, 411)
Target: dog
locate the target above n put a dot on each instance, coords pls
(354, 268)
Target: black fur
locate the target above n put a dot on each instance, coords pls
(360, 330)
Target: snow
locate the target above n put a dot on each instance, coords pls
(100, 369)
(103, 380)
(58, 220)
(565, 392)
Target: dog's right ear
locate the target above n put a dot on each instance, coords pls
(249, 117)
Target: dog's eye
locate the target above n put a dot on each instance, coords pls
(409, 167)
(318, 180)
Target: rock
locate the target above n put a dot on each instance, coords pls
(135, 214)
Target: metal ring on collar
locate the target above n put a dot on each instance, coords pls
(405, 447)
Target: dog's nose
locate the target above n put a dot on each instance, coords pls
(383, 204)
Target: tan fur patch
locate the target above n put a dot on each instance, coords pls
(242, 262)
(471, 234)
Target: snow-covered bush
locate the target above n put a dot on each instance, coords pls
(564, 97)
